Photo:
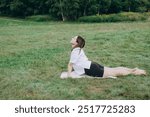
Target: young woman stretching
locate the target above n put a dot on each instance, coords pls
(79, 65)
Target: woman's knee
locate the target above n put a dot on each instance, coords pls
(109, 72)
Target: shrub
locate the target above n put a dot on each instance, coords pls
(124, 16)
(148, 15)
(40, 18)
(130, 16)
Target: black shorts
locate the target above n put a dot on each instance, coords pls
(95, 70)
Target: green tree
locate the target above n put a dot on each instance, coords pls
(126, 5)
(148, 6)
(116, 6)
(38, 6)
(104, 6)
(63, 9)
(136, 5)
(70, 9)
(143, 6)
(17, 8)
(93, 7)
(5, 7)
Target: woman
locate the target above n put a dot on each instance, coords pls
(79, 65)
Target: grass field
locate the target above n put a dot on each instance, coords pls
(33, 54)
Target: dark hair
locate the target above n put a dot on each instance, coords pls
(80, 41)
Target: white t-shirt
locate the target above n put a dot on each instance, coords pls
(79, 61)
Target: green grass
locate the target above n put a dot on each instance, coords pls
(33, 54)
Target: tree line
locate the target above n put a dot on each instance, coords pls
(70, 9)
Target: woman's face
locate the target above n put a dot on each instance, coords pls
(73, 42)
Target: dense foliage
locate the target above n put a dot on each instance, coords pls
(119, 17)
(70, 9)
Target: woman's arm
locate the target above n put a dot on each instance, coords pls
(69, 69)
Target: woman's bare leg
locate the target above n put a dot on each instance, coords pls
(122, 71)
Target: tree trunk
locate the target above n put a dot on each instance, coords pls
(63, 17)
(129, 9)
(84, 13)
(62, 12)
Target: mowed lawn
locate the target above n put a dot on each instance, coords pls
(33, 54)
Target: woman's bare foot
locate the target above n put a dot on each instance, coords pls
(138, 71)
